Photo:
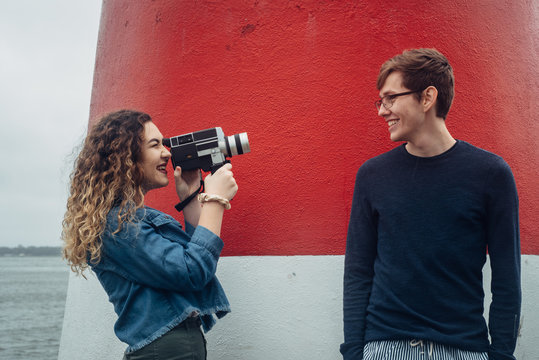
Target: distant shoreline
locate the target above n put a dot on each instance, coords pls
(21, 251)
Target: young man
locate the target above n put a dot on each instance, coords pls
(423, 216)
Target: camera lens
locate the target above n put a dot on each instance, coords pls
(237, 144)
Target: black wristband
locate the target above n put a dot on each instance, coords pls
(181, 205)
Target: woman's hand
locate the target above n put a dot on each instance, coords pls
(221, 183)
(187, 182)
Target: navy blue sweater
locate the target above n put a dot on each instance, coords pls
(417, 242)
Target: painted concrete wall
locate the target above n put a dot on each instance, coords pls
(286, 308)
(299, 77)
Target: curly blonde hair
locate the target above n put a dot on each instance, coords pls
(106, 174)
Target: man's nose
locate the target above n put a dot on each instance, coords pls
(383, 111)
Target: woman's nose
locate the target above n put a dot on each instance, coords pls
(166, 153)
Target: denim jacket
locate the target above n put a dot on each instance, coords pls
(156, 275)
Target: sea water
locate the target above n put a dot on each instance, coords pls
(32, 299)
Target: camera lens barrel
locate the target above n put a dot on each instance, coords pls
(237, 144)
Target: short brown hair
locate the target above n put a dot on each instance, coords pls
(420, 69)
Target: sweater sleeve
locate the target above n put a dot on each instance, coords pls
(504, 251)
(358, 270)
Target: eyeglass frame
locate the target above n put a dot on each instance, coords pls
(380, 102)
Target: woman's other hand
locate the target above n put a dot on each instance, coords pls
(187, 182)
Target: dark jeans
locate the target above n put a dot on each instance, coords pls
(184, 342)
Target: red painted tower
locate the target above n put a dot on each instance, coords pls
(299, 77)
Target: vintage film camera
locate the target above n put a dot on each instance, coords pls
(206, 149)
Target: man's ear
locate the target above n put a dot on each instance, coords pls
(430, 95)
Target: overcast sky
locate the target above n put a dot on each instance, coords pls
(47, 57)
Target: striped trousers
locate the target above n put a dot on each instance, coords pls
(416, 350)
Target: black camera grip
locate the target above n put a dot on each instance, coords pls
(214, 168)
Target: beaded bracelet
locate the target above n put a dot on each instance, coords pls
(203, 197)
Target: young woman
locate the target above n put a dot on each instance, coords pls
(160, 278)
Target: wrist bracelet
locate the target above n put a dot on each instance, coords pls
(203, 197)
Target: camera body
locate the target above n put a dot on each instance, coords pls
(205, 149)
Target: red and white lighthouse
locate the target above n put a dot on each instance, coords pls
(299, 77)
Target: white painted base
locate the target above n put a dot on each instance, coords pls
(283, 307)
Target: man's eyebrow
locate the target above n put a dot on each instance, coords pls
(386, 93)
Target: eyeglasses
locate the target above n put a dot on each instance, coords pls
(388, 100)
